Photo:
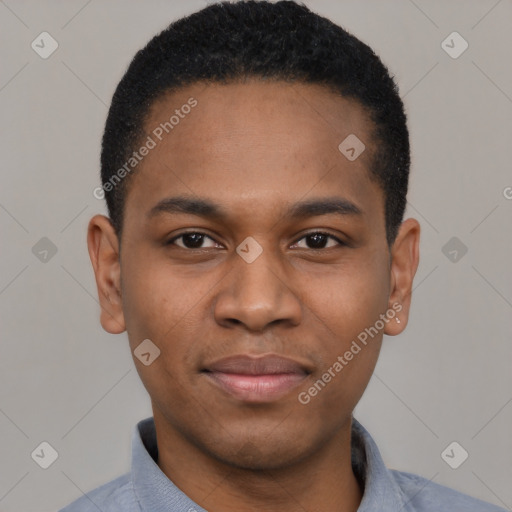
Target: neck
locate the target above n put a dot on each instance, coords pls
(322, 481)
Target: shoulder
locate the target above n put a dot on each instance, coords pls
(424, 496)
(114, 496)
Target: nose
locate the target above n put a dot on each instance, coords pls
(257, 295)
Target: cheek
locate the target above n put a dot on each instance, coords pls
(156, 300)
(348, 353)
(156, 308)
(351, 297)
(166, 306)
(347, 304)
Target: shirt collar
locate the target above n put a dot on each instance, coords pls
(155, 492)
(381, 491)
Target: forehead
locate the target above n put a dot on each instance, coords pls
(260, 141)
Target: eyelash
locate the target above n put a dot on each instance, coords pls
(172, 240)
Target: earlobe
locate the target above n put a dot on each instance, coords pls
(404, 263)
(103, 246)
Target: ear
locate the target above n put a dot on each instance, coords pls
(103, 246)
(404, 263)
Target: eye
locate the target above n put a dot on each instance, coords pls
(319, 239)
(192, 240)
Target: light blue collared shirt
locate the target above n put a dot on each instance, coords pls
(147, 489)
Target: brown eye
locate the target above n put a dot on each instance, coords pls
(319, 240)
(192, 240)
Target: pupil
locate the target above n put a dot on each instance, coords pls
(196, 238)
(319, 240)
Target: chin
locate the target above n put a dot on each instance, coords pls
(261, 455)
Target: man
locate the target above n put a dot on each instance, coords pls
(255, 164)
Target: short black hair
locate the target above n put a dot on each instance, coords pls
(227, 42)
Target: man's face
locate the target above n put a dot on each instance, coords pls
(255, 150)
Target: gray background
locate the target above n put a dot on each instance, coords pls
(65, 381)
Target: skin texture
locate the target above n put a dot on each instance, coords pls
(255, 148)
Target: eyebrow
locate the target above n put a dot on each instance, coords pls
(208, 209)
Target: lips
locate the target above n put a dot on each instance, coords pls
(256, 379)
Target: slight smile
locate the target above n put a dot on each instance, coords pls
(256, 379)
